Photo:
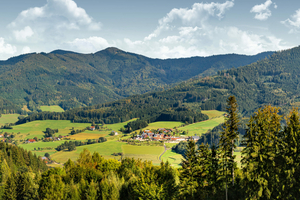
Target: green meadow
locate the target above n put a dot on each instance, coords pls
(163, 124)
(173, 158)
(52, 108)
(36, 128)
(213, 113)
(105, 149)
(36, 145)
(150, 153)
(202, 127)
(8, 118)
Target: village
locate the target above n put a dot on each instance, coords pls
(162, 134)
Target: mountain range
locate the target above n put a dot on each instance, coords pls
(71, 79)
(271, 81)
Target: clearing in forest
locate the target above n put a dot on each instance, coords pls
(8, 118)
(52, 108)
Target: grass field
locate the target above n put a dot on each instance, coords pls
(213, 113)
(36, 128)
(105, 149)
(170, 145)
(173, 158)
(88, 135)
(36, 145)
(202, 127)
(8, 118)
(150, 153)
(163, 124)
(52, 108)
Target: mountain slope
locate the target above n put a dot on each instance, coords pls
(272, 81)
(71, 79)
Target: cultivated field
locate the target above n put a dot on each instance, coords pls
(213, 113)
(105, 149)
(150, 153)
(163, 124)
(202, 127)
(8, 118)
(52, 108)
(36, 145)
(36, 128)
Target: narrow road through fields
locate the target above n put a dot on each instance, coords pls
(163, 152)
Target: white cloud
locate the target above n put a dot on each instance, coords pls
(88, 45)
(23, 34)
(54, 19)
(293, 23)
(193, 32)
(6, 49)
(199, 13)
(26, 50)
(262, 11)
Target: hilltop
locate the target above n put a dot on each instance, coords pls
(71, 79)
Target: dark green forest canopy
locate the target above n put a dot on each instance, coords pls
(73, 80)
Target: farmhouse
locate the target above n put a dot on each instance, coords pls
(30, 141)
(92, 128)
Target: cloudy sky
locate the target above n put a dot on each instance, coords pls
(157, 29)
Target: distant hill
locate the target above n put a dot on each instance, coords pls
(274, 81)
(72, 79)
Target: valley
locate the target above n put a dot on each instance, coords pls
(114, 144)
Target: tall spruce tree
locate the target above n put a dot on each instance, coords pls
(190, 172)
(290, 151)
(260, 164)
(228, 137)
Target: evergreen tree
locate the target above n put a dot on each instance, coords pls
(260, 166)
(228, 137)
(190, 172)
(290, 177)
(10, 192)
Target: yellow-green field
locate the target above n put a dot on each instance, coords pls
(170, 145)
(88, 135)
(173, 158)
(213, 113)
(52, 108)
(202, 127)
(105, 149)
(150, 153)
(163, 124)
(8, 118)
(36, 145)
(36, 128)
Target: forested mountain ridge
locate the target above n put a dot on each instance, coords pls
(71, 79)
(272, 81)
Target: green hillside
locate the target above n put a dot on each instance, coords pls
(71, 79)
(272, 81)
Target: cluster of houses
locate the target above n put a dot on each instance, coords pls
(162, 135)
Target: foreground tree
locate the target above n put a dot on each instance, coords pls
(290, 176)
(261, 156)
(228, 137)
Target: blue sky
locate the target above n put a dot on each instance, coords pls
(157, 29)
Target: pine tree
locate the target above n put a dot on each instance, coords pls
(10, 189)
(260, 166)
(190, 172)
(290, 151)
(228, 137)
